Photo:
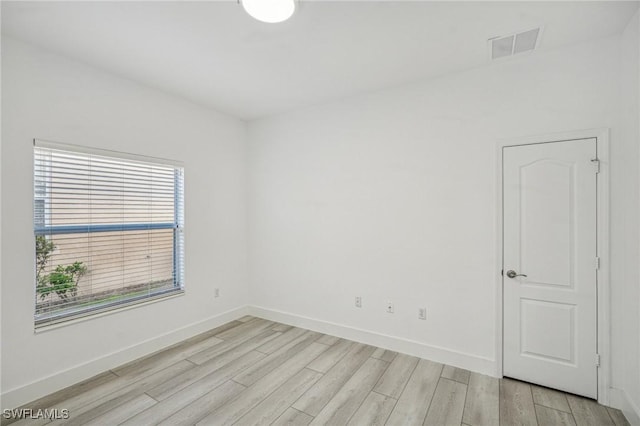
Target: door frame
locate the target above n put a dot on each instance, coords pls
(603, 301)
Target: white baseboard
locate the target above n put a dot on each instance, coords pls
(619, 399)
(19, 396)
(410, 347)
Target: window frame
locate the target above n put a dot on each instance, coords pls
(44, 321)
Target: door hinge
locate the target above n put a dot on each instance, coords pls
(597, 360)
(596, 164)
(597, 263)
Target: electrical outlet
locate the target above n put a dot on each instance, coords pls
(422, 313)
(358, 302)
(216, 292)
(390, 307)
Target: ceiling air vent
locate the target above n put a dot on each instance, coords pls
(513, 44)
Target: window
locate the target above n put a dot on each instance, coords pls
(108, 230)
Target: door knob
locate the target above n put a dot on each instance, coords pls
(512, 274)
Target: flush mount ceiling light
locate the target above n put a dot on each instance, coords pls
(270, 11)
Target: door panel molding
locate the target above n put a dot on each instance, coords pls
(602, 238)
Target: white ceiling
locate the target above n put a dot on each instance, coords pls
(214, 54)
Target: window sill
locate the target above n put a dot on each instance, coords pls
(108, 311)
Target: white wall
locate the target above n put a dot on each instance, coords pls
(389, 196)
(49, 97)
(635, 76)
(1, 56)
(392, 196)
(626, 298)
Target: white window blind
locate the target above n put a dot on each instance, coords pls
(108, 230)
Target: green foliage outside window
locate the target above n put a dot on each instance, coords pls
(63, 280)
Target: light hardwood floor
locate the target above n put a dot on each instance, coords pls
(258, 372)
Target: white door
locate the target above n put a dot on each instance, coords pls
(549, 219)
